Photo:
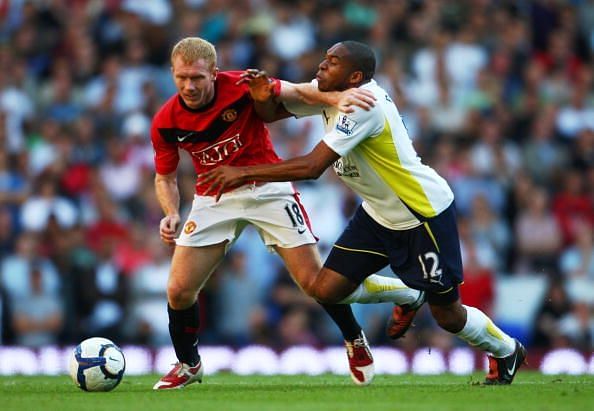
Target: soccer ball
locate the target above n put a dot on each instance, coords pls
(97, 364)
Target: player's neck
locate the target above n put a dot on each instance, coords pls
(362, 83)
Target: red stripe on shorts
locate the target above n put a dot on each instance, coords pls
(303, 212)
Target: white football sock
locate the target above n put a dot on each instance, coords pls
(480, 332)
(380, 289)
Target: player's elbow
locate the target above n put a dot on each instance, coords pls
(166, 178)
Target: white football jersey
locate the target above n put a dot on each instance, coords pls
(379, 162)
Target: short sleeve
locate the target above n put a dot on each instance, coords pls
(351, 129)
(166, 154)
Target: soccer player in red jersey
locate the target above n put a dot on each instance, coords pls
(214, 120)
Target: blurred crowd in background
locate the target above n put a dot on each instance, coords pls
(498, 97)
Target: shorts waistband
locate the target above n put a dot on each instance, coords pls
(242, 188)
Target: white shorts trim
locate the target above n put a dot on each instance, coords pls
(272, 208)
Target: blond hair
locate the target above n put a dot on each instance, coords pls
(192, 49)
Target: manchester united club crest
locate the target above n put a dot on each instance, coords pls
(229, 115)
(189, 227)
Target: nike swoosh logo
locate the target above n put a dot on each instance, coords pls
(513, 368)
(301, 231)
(114, 359)
(182, 138)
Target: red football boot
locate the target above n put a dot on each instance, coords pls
(180, 376)
(360, 360)
(402, 318)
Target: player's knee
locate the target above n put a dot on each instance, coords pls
(448, 323)
(180, 298)
(325, 295)
(449, 318)
(327, 290)
(309, 287)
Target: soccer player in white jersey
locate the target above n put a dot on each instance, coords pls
(407, 219)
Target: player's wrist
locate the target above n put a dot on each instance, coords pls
(262, 99)
(319, 97)
(332, 98)
(276, 88)
(244, 174)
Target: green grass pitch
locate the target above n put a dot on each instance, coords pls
(228, 392)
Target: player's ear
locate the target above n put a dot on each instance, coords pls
(356, 77)
(215, 73)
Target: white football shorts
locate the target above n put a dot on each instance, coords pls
(273, 208)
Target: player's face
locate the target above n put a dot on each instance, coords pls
(334, 72)
(194, 81)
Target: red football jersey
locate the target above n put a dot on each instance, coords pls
(226, 131)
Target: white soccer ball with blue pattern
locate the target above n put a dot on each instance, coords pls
(97, 364)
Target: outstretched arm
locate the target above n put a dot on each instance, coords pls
(268, 96)
(345, 101)
(309, 166)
